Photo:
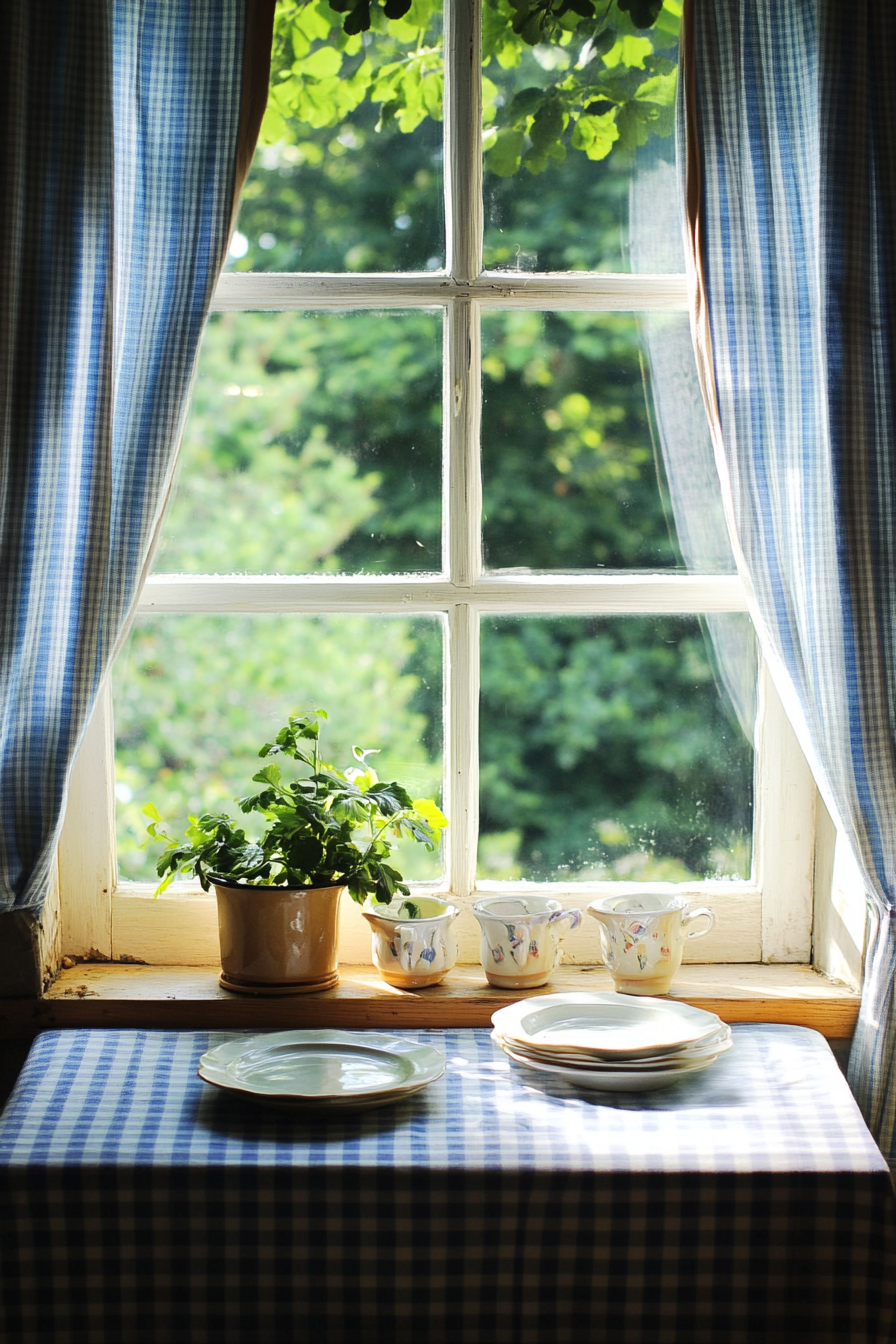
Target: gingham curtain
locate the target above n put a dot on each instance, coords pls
(125, 129)
(789, 116)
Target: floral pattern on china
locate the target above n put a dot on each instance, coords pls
(520, 938)
(643, 935)
(412, 941)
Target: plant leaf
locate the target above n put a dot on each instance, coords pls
(431, 814)
(390, 798)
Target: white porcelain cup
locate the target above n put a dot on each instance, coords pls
(643, 937)
(520, 940)
(412, 941)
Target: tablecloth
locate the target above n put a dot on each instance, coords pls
(747, 1203)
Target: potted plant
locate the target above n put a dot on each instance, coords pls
(325, 831)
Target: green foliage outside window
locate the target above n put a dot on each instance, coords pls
(610, 86)
(313, 445)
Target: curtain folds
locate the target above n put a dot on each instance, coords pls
(125, 130)
(655, 238)
(788, 113)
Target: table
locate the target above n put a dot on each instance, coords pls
(748, 1203)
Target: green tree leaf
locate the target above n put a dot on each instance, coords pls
(629, 51)
(505, 154)
(524, 104)
(358, 19)
(548, 125)
(324, 63)
(658, 89)
(596, 136)
(644, 13)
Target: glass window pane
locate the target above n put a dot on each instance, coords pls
(568, 102)
(348, 173)
(609, 752)
(570, 475)
(196, 696)
(313, 445)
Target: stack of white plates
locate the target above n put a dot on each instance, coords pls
(322, 1070)
(611, 1042)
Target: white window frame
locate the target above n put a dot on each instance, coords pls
(766, 918)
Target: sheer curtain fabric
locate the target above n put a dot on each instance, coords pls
(789, 119)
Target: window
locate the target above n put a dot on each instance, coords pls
(466, 597)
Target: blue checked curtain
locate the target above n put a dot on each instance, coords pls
(788, 111)
(126, 127)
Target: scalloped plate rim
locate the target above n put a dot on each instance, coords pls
(425, 1070)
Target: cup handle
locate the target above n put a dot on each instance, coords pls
(406, 937)
(573, 916)
(702, 910)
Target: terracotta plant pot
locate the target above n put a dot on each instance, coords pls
(277, 941)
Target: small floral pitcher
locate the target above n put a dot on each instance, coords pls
(412, 943)
(520, 943)
(643, 937)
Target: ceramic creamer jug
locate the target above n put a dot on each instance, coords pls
(413, 943)
(643, 936)
(520, 941)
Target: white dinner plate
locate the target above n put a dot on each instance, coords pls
(558, 1055)
(322, 1070)
(715, 1044)
(609, 1026)
(678, 1059)
(610, 1080)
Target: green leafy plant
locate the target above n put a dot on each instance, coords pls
(325, 828)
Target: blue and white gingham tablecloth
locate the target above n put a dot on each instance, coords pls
(746, 1205)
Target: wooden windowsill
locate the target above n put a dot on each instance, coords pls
(115, 995)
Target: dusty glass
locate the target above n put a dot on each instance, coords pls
(313, 445)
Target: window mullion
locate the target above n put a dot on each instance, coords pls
(603, 593)
(270, 291)
(463, 509)
(462, 408)
(463, 139)
(462, 748)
